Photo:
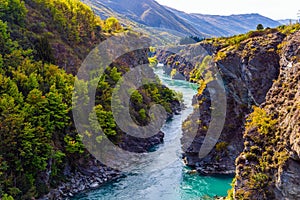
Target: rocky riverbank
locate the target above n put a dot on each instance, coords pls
(88, 176)
(142, 145)
(83, 172)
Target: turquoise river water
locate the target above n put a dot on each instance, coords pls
(164, 177)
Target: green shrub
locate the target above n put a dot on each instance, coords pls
(152, 49)
(13, 11)
(259, 181)
(179, 96)
(173, 73)
(73, 145)
(251, 157)
(220, 56)
(7, 197)
(111, 24)
(142, 114)
(221, 146)
(153, 61)
(136, 97)
(260, 27)
(261, 120)
(255, 149)
(231, 191)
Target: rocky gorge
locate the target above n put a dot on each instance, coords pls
(258, 69)
(44, 154)
(88, 173)
(276, 164)
(248, 70)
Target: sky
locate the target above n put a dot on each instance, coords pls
(275, 9)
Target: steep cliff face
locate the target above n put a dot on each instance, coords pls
(269, 166)
(248, 68)
(183, 59)
(261, 75)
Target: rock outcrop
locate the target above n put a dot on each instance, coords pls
(247, 69)
(278, 159)
(261, 75)
(87, 176)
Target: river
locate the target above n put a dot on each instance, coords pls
(164, 177)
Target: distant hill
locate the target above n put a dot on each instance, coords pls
(150, 13)
(159, 36)
(217, 25)
(166, 25)
(287, 21)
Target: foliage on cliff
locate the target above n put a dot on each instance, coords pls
(261, 69)
(35, 104)
(268, 166)
(264, 152)
(224, 45)
(270, 152)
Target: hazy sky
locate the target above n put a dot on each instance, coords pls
(275, 9)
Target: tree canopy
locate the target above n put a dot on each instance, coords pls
(37, 133)
(260, 27)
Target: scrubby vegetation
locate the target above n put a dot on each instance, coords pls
(224, 45)
(264, 152)
(111, 24)
(289, 29)
(153, 61)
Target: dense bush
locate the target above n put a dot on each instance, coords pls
(34, 109)
(111, 24)
(37, 132)
(261, 120)
(260, 27)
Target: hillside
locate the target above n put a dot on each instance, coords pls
(216, 25)
(268, 167)
(287, 21)
(166, 25)
(42, 46)
(260, 73)
(150, 13)
(160, 34)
